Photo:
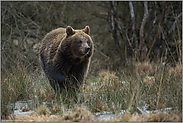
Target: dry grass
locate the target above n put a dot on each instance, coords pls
(156, 117)
(144, 68)
(80, 114)
(42, 114)
(155, 86)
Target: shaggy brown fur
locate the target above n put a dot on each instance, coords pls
(65, 56)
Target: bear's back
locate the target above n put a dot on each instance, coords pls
(51, 42)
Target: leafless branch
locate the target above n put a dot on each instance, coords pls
(154, 20)
(132, 16)
(112, 16)
(107, 57)
(173, 26)
(143, 21)
(133, 28)
(120, 30)
(143, 24)
(160, 29)
(114, 32)
(151, 40)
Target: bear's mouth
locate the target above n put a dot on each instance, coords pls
(84, 53)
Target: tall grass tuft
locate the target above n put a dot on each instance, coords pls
(15, 86)
(108, 93)
(21, 85)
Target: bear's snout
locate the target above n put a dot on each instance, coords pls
(87, 49)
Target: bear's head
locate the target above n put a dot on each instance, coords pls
(79, 42)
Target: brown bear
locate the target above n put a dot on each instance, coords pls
(65, 56)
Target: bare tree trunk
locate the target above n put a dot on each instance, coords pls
(133, 29)
(161, 30)
(114, 32)
(142, 27)
(151, 37)
(122, 30)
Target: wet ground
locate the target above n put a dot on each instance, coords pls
(23, 113)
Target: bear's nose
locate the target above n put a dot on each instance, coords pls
(87, 48)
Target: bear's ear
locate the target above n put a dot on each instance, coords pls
(69, 30)
(86, 30)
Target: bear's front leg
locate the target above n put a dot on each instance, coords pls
(58, 81)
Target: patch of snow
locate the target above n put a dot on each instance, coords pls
(102, 113)
(18, 112)
(163, 63)
(24, 104)
(105, 117)
(92, 84)
(44, 103)
(124, 82)
(122, 111)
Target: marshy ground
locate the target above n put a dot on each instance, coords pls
(149, 92)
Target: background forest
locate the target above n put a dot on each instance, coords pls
(133, 41)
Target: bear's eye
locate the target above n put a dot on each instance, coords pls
(80, 41)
